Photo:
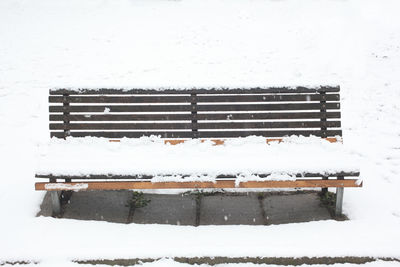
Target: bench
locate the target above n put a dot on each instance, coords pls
(176, 116)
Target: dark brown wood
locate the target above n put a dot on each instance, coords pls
(116, 185)
(267, 125)
(182, 108)
(122, 99)
(103, 91)
(222, 176)
(323, 110)
(278, 133)
(122, 108)
(194, 125)
(200, 116)
(66, 114)
(122, 126)
(201, 134)
(115, 134)
(200, 98)
(190, 119)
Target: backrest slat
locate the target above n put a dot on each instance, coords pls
(274, 90)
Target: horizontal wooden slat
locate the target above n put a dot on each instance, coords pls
(233, 134)
(183, 108)
(200, 98)
(200, 134)
(102, 91)
(183, 134)
(199, 116)
(122, 117)
(120, 99)
(267, 125)
(225, 176)
(201, 125)
(120, 126)
(122, 108)
(267, 98)
(300, 183)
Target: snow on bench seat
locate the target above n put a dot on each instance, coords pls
(193, 160)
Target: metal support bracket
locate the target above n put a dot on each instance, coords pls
(55, 203)
(339, 198)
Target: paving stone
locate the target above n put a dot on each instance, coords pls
(167, 209)
(291, 208)
(221, 209)
(111, 206)
(230, 209)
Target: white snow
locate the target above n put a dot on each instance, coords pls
(200, 160)
(167, 262)
(202, 43)
(75, 187)
(178, 87)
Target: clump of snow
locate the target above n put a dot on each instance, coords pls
(182, 178)
(58, 186)
(207, 87)
(274, 176)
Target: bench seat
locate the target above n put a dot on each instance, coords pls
(245, 159)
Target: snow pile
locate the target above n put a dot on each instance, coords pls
(200, 160)
(194, 87)
(75, 187)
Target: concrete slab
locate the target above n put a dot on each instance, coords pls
(167, 209)
(219, 209)
(294, 207)
(228, 209)
(111, 206)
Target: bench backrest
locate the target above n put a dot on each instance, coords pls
(195, 113)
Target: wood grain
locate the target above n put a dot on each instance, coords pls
(115, 185)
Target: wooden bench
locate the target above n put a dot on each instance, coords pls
(179, 115)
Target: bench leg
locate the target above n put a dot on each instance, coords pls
(339, 199)
(324, 190)
(55, 203)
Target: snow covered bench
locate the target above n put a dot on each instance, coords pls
(207, 138)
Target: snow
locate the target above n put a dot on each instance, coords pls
(166, 262)
(208, 43)
(245, 157)
(75, 187)
(245, 87)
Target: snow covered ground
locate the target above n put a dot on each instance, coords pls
(56, 43)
